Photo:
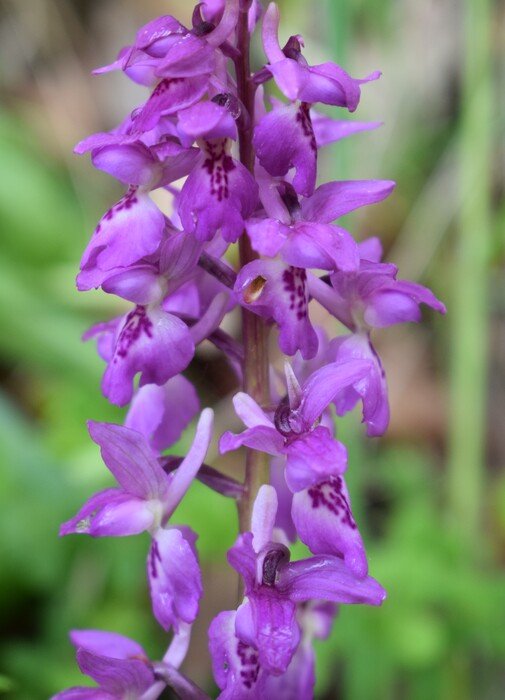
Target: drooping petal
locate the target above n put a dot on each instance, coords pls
(174, 576)
(372, 389)
(400, 303)
(324, 522)
(118, 677)
(131, 230)
(152, 342)
(268, 622)
(127, 455)
(235, 664)
(323, 385)
(327, 578)
(299, 679)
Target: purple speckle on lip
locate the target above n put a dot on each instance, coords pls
(303, 118)
(329, 494)
(218, 164)
(294, 279)
(249, 661)
(137, 322)
(124, 204)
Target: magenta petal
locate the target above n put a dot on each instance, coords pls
(191, 463)
(328, 130)
(273, 290)
(324, 522)
(132, 164)
(152, 342)
(218, 195)
(372, 390)
(110, 513)
(168, 97)
(260, 438)
(128, 232)
(161, 413)
(328, 578)
(276, 631)
(206, 120)
(189, 57)
(334, 199)
(299, 679)
(128, 456)
(268, 236)
(116, 676)
(313, 458)
(323, 246)
(174, 576)
(284, 139)
(235, 664)
(324, 385)
(111, 644)
(331, 85)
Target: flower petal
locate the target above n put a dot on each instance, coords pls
(174, 576)
(155, 343)
(110, 644)
(324, 522)
(312, 458)
(328, 578)
(127, 455)
(334, 199)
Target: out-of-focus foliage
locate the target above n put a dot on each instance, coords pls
(440, 633)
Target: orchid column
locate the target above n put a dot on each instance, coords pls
(248, 170)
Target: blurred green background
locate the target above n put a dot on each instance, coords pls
(429, 497)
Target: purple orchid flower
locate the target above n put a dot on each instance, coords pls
(119, 665)
(302, 232)
(147, 340)
(165, 48)
(372, 297)
(368, 298)
(266, 621)
(147, 496)
(122, 668)
(146, 499)
(326, 83)
(312, 454)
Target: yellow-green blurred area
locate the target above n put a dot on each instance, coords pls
(429, 497)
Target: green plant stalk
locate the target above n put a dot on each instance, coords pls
(468, 309)
(254, 330)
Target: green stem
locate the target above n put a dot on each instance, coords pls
(469, 303)
(254, 330)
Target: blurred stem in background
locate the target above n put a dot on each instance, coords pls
(469, 307)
